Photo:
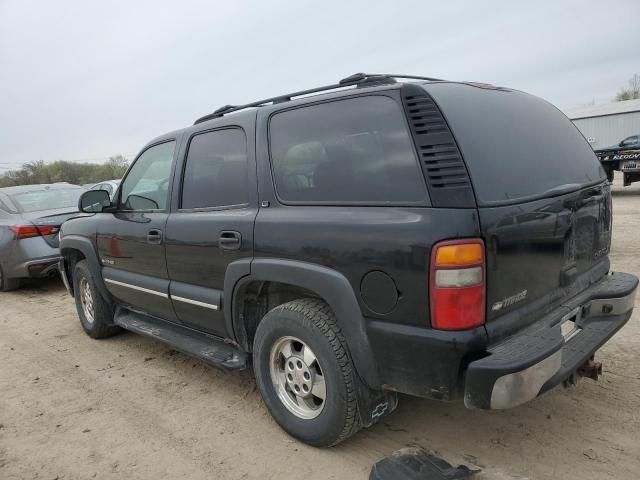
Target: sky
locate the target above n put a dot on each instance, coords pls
(84, 80)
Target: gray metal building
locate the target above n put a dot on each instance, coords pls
(606, 125)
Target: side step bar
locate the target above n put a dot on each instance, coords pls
(203, 347)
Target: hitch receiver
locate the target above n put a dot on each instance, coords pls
(590, 369)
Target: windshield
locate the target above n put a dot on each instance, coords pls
(516, 146)
(37, 200)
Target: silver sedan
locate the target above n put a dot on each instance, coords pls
(30, 218)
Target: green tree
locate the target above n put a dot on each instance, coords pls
(75, 173)
(632, 92)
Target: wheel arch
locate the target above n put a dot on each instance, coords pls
(75, 248)
(316, 280)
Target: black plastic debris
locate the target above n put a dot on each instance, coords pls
(416, 464)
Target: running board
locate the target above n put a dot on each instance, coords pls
(201, 346)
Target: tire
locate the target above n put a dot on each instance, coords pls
(310, 327)
(8, 284)
(97, 318)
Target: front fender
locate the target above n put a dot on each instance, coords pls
(86, 247)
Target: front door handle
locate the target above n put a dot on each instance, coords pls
(229, 240)
(154, 236)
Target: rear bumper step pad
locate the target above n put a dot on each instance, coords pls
(539, 358)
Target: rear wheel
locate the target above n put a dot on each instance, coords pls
(8, 284)
(96, 316)
(304, 373)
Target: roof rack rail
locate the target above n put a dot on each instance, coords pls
(357, 80)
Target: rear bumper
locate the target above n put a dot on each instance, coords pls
(550, 351)
(29, 257)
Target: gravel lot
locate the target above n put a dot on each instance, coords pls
(131, 408)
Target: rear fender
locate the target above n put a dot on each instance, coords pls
(328, 284)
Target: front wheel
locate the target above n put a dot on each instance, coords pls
(304, 373)
(96, 315)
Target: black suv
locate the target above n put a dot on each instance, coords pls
(442, 239)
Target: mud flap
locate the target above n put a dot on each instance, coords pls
(374, 404)
(416, 464)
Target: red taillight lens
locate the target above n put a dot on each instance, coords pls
(28, 231)
(47, 229)
(457, 284)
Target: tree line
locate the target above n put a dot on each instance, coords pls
(632, 92)
(37, 172)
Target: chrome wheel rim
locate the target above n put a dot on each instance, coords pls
(297, 377)
(86, 299)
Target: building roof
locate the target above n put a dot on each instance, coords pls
(613, 108)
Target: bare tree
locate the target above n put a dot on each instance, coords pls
(632, 92)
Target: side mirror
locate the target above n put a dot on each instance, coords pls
(94, 201)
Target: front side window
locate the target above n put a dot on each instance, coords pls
(629, 141)
(147, 184)
(216, 171)
(356, 150)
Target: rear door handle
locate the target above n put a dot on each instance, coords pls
(229, 240)
(154, 236)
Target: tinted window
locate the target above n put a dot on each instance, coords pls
(216, 170)
(354, 150)
(147, 184)
(47, 199)
(515, 145)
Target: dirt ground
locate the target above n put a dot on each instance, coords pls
(132, 408)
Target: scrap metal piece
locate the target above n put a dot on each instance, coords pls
(416, 464)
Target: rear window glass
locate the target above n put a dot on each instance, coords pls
(37, 200)
(515, 145)
(356, 150)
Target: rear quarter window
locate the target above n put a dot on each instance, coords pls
(350, 151)
(516, 146)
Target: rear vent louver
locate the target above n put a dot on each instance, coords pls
(442, 164)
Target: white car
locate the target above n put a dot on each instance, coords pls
(109, 185)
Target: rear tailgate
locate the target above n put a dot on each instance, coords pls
(543, 200)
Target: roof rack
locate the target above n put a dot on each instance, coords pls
(357, 80)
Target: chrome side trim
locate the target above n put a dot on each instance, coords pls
(519, 387)
(135, 287)
(195, 302)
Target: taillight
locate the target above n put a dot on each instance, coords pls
(457, 284)
(28, 231)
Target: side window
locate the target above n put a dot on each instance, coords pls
(356, 150)
(629, 141)
(216, 171)
(147, 184)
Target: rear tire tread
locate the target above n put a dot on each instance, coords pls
(322, 317)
